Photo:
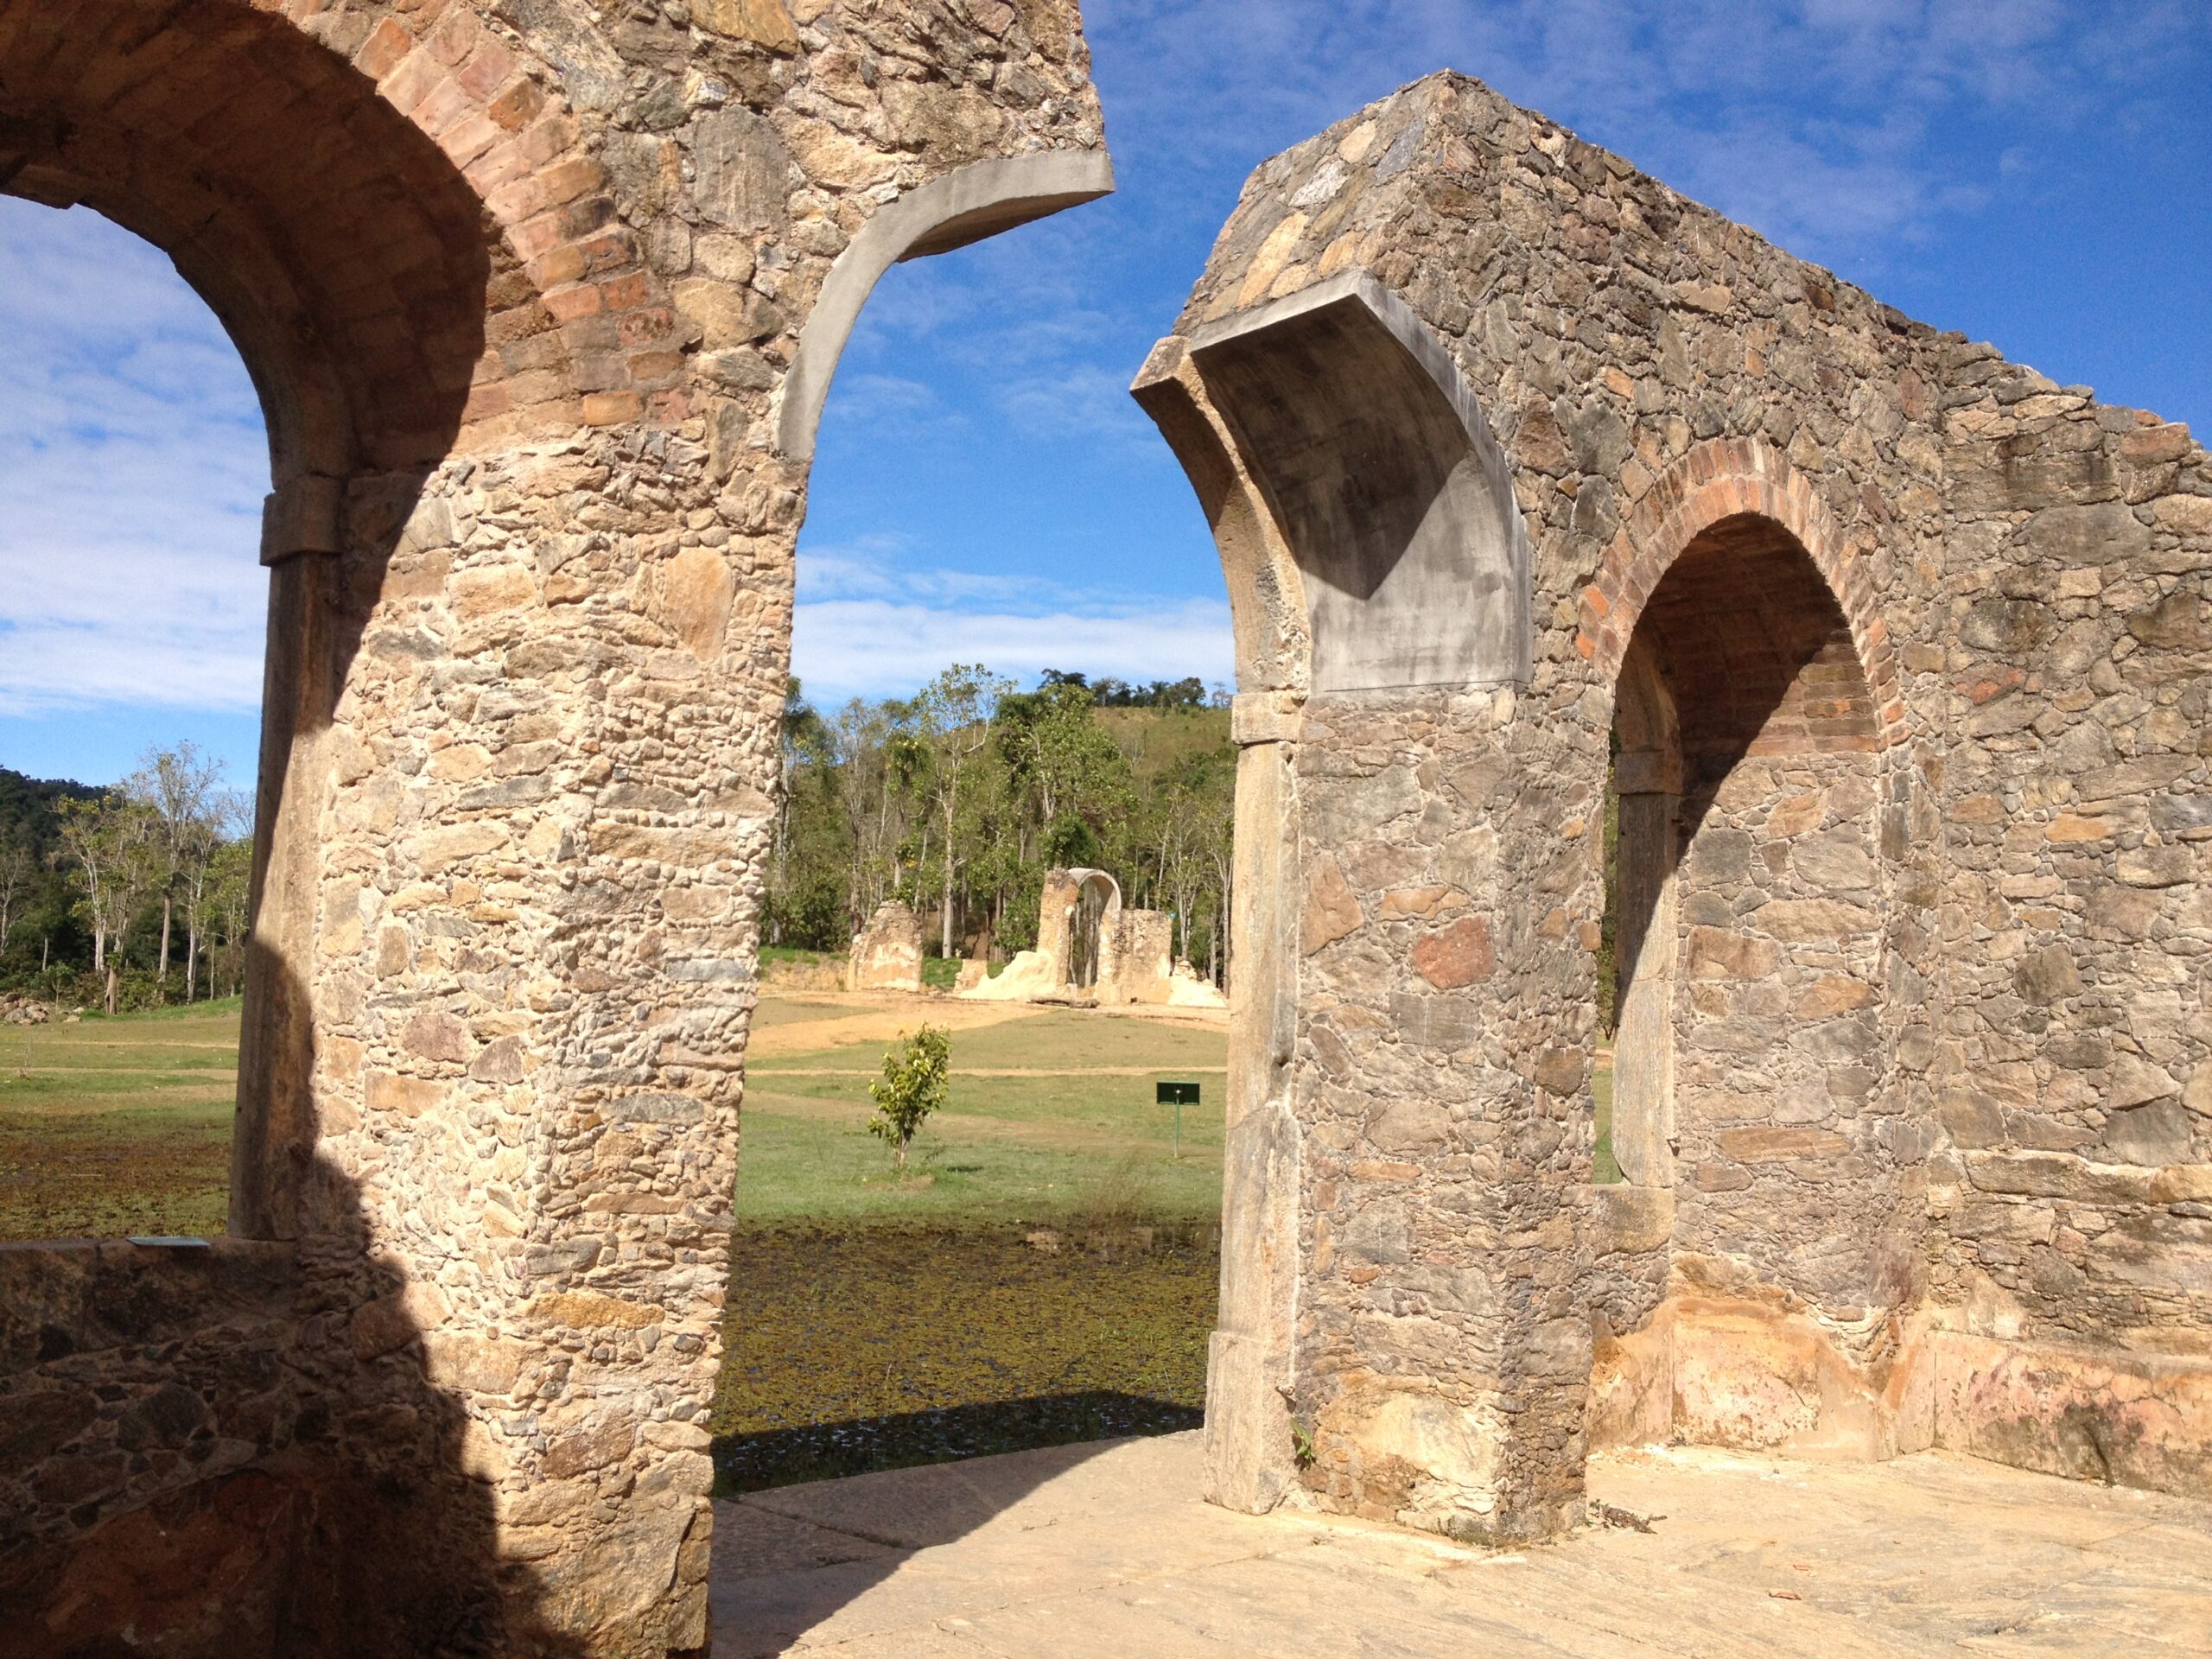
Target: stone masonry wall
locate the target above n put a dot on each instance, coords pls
(1448, 914)
(2013, 1022)
(532, 537)
(2075, 643)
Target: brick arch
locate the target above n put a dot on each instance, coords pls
(1719, 479)
(400, 224)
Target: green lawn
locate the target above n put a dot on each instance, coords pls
(1080, 1137)
(114, 1127)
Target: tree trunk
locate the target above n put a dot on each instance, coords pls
(944, 943)
(191, 961)
(111, 990)
(100, 947)
(161, 993)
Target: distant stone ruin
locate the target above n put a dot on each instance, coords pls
(887, 954)
(1092, 950)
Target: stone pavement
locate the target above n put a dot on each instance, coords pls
(1105, 1552)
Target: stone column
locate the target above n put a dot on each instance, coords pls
(1648, 783)
(1250, 1456)
(273, 1138)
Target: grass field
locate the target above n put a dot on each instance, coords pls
(1052, 1116)
(113, 1127)
(873, 1320)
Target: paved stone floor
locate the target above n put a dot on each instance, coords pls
(1098, 1551)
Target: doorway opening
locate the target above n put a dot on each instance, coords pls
(1026, 770)
(1752, 1070)
(132, 620)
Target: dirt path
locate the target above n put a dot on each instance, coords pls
(881, 1023)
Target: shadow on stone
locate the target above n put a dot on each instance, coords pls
(815, 1451)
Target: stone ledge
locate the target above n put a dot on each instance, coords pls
(2089, 1413)
(1626, 1219)
(2060, 1175)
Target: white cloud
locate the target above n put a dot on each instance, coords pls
(868, 567)
(867, 626)
(132, 465)
(874, 648)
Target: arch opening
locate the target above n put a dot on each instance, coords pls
(380, 312)
(1751, 1068)
(132, 462)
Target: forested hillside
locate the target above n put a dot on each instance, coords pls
(958, 799)
(127, 896)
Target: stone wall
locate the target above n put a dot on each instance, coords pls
(522, 288)
(1938, 987)
(887, 954)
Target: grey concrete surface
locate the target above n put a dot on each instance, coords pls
(1099, 1551)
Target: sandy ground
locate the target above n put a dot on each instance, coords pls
(1105, 1552)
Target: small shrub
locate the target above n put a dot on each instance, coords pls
(1121, 1197)
(915, 1077)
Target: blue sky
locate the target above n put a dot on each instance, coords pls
(2029, 172)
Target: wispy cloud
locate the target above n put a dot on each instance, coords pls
(871, 623)
(1725, 99)
(132, 465)
(849, 648)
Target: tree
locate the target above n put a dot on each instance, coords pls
(961, 805)
(915, 1077)
(114, 848)
(1064, 763)
(178, 787)
(18, 869)
(229, 900)
(89, 845)
(956, 710)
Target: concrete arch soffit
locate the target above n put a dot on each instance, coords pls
(968, 204)
(1381, 473)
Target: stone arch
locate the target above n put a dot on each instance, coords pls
(1721, 479)
(401, 229)
(968, 204)
(1752, 914)
(351, 261)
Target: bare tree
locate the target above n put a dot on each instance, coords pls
(17, 869)
(178, 787)
(956, 707)
(87, 846)
(111, 846)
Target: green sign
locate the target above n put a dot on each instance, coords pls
(1178, 1095)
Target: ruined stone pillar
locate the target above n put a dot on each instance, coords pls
(1406, 1064)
